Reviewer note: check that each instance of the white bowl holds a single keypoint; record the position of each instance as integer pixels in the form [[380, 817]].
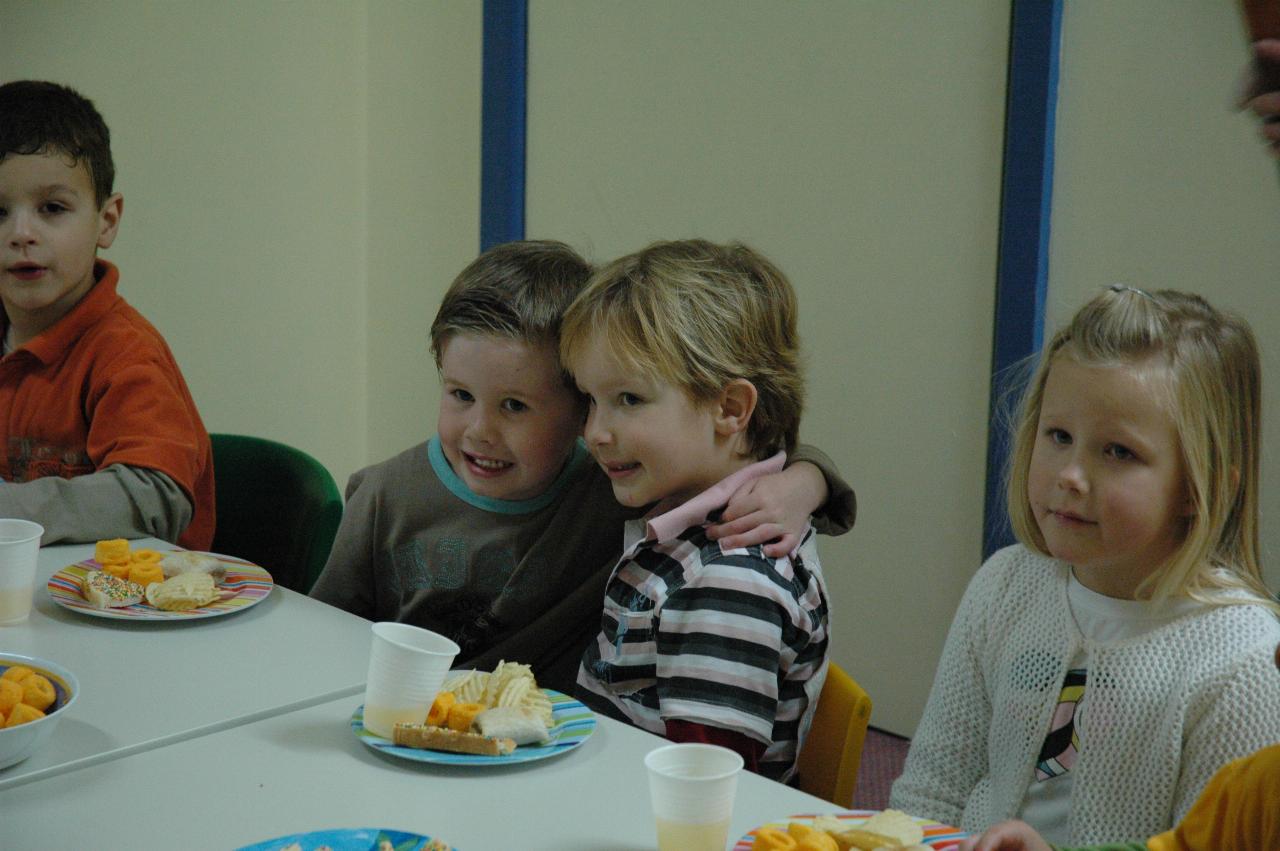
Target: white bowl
[[18, 743]]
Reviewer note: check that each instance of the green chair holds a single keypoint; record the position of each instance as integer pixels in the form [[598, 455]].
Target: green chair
[[277, 507]]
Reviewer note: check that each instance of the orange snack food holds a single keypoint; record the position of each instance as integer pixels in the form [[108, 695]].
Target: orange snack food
[[116, 549], [118, 569], [37, 692], [772, 839], [10, 695], [21, 714], [146, 555], [438, 716], [17, 673], [145, 572], [811, 839], [461, 715], [818, 841]]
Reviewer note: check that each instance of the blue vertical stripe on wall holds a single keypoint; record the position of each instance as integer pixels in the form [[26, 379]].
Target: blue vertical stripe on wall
[[1035, 37], [504, 72]]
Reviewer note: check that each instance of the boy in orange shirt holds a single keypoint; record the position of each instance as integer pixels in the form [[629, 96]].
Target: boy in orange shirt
[[99, 436]]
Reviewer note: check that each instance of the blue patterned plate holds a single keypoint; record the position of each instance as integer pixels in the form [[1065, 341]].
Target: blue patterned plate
[[352, 839], [573, 725]]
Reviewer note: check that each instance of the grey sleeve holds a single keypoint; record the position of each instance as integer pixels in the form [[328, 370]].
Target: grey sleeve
[[118, 501], [837, 515], [348, 580]]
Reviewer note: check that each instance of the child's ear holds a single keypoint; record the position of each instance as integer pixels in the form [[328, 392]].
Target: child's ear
[[109, 220], [735, 406]]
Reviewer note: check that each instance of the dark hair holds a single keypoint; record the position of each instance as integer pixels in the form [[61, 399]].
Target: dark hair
[[38, 117], [517, 290]]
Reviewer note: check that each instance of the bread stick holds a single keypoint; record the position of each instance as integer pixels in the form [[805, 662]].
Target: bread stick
[[863, 840], [443, 739]]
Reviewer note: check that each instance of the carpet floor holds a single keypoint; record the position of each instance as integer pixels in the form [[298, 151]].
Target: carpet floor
[[882, 757]]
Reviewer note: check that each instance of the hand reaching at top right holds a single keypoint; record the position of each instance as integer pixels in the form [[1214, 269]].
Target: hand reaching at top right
[[1007, 836], [1260, 90]]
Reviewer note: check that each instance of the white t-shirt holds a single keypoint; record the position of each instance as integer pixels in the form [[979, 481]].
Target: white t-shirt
[[1102, 620]]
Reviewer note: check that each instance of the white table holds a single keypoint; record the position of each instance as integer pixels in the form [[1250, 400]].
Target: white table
[[148, 684], [305, 770]]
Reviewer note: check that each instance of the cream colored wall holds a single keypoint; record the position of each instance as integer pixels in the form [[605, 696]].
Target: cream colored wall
[[422, 201], [237, 130], [859, 145], [301, 183], [1160, 183]]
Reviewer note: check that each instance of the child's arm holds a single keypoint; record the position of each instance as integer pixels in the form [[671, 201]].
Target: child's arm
[[348, 579], [119, 501], [948, 755], [776, 508], [1007, 836], [1238, 713], [718, 668], [746, 747], [1260, 93], [1020, 836]]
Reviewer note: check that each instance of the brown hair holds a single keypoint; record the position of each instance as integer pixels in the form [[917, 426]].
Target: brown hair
[[517, 290], [38, 117], [701, 315]]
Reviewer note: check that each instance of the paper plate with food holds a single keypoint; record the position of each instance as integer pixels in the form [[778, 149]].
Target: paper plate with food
[[481, 718], [861, 830], [351, 839], [151, 585]]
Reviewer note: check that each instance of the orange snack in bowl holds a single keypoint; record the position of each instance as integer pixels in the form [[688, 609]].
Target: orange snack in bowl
[[772, 839], [17, 673], [438, 716], [145, 572], [461, 715], [10, 695], [21, 714], [146, 555], [116, 549], [37, 692], [118, 569]]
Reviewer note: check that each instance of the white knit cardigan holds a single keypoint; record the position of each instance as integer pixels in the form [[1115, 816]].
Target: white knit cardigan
[[1166, 709]]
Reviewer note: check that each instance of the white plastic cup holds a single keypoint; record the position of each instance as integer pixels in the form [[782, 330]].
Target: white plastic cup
[[692, 787], [407, 666], [19, 545]]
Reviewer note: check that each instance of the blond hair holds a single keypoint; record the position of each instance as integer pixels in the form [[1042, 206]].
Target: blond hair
[[699, 316], [517, 291], [1214, 399]]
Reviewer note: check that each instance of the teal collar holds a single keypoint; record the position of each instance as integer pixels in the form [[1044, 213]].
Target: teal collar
[[459, 488]]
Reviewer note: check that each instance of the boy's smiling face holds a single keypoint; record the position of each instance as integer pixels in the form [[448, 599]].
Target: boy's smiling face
[[50, 230], [507, 421], [652, 440]]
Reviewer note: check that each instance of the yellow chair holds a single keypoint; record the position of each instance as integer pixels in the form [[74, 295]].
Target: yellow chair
[[828, 763]]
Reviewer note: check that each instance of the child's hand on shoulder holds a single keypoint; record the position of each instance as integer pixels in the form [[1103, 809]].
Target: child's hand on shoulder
[[772, 510], [1260, 90], [1007, 836]]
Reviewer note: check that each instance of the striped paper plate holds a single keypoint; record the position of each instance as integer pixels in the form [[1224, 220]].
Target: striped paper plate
[[250, 583], [573, 725], [936, 835], [351, 839]]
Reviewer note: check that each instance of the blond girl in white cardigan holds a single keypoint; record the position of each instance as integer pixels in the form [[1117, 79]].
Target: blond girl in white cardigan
[[1099, 672]]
